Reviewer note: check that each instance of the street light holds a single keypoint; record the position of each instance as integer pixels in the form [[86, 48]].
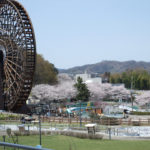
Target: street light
[[80, 115], [39, 110]]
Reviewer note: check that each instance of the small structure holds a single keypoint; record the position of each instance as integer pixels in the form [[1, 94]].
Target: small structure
[[29, 119], [91, 128], [21, 128]]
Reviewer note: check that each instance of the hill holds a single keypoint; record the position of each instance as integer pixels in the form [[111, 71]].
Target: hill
[[108, 66]]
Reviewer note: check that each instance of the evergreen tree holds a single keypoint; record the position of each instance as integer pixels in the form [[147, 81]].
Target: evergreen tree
[[83, 93]]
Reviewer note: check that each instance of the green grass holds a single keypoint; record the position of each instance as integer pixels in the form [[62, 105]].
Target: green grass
[[58, 142]]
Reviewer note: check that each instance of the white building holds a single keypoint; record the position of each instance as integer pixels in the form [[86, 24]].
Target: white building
[[87, 78]]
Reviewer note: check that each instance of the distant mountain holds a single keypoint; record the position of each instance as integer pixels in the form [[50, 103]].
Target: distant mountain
[[108, 66]]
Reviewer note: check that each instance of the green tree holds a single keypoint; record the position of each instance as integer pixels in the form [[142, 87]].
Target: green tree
[[45, 73], [140, 79], [112, 79], [83, 92]]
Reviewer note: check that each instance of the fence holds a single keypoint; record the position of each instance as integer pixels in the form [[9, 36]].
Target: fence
[[18, 146], [11, 141], [128, 122], [125, 131], [102, 121]]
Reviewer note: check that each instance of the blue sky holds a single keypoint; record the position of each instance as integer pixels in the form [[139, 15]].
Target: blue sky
[[76, 32]]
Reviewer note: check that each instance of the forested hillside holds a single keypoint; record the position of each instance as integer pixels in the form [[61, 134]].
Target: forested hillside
[[45, 73], [108, 66]]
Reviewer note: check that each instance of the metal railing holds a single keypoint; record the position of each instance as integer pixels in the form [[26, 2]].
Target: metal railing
[[24, 147]]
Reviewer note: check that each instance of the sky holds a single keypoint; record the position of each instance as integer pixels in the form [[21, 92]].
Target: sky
[[77, 32]]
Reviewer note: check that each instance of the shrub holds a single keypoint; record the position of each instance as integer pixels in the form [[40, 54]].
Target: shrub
[[139, 113], [78, 134], [8, 116], [66, 133]]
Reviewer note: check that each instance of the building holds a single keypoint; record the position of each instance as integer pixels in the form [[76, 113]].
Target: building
[[88, 78]]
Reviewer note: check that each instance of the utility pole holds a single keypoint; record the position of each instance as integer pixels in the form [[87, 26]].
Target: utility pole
[[131, 92]]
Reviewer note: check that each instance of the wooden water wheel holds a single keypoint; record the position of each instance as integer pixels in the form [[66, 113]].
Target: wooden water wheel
[[17, 55]]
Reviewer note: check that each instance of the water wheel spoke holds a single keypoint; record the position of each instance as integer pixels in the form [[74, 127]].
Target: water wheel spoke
[[12, 76], [10, 61], [11, 82], [14, 70], [11, 52]]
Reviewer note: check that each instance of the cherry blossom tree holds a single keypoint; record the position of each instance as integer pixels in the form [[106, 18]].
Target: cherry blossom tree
[[119, 92], [63, 90], [142, 98], [102, 91], [96, 91]]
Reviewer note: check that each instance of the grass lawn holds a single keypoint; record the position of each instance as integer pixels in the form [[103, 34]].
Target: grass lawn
[[58, 142]]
